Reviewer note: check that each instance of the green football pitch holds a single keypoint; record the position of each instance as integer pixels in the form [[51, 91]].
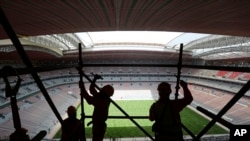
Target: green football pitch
[[118, 128]]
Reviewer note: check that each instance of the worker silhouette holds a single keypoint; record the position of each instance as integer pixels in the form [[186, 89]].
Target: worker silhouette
[[72, 128], [101, 101], [165, 113]]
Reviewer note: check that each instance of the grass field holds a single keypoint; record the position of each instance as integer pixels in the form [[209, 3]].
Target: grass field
[[125, 128]]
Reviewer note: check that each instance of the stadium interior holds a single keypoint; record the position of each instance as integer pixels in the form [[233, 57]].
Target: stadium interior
[[128, 44]]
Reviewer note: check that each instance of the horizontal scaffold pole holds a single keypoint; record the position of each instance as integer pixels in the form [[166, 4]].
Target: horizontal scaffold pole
[[226, 68], [22, 71], [123, 117]]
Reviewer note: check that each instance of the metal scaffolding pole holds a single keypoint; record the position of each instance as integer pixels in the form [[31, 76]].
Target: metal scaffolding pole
[[241, 92], [177, 87], [212, 116], [8, 29], [81, 80], [22, 71], [227, 68]]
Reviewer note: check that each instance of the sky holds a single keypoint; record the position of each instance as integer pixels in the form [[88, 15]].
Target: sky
[[128, 36]]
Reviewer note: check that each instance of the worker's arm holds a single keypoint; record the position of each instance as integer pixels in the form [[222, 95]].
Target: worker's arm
[[92, 88], [188, 98], [85, 94], [151, 113]]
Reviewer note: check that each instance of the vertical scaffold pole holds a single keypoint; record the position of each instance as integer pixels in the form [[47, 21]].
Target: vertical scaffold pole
[[178, 76], [177, 87], [80, 62]]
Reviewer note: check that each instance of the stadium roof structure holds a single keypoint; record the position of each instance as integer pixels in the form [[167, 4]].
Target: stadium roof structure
[[210, 30]]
